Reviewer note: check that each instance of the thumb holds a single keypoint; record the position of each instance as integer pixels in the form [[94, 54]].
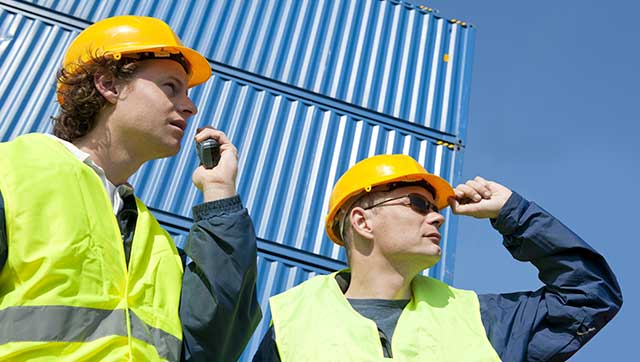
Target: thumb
[[461, 209]]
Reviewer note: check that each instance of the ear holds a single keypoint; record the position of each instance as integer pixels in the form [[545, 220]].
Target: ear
[[107, 87], [360, 223]]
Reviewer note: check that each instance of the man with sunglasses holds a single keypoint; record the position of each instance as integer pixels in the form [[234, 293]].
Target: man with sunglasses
[[385, 211]]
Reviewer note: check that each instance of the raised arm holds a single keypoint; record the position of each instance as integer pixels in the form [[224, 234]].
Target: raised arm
[[219, 308], [580, 293]]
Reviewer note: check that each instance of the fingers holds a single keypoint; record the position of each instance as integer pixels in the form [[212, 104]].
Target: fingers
[[465, 208], [453, 203], [479, 198], [229, 148], [473, 190], [207, 132]]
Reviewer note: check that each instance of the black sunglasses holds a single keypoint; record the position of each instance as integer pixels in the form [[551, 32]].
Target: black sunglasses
[[417, 202]]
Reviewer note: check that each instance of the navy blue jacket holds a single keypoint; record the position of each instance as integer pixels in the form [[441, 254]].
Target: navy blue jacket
[[580, 293], [219, 308]]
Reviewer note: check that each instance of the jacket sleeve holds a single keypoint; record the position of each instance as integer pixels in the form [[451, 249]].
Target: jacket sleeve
[[219, 307], [580, 293]]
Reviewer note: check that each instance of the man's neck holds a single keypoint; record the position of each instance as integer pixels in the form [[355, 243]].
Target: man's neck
[[379, 281], [117, 164]]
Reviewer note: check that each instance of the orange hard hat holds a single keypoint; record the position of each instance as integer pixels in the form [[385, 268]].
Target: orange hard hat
[[380, 170], [131, 34]]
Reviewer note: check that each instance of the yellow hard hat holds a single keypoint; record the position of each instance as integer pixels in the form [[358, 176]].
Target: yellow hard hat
[[381, 170], [130, 34]]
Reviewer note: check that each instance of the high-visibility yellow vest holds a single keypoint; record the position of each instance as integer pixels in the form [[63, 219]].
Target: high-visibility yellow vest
[[315, 322], [66, 293]]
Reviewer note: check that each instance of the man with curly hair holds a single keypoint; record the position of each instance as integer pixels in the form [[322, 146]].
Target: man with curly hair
[[86, 271]]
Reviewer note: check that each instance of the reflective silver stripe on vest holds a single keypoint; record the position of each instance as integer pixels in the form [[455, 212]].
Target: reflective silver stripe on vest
[[59, 323], [167, 345], [77, 324]]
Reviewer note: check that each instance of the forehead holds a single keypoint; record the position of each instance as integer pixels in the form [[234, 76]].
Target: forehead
[[153, 69]]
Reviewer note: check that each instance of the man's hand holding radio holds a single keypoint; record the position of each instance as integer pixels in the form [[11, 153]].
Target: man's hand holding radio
[[218, 182]]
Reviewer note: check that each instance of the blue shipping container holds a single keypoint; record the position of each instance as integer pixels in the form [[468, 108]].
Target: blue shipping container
[[303, 88]]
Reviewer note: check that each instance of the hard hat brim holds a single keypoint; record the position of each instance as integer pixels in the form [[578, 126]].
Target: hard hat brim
[[200, 69]]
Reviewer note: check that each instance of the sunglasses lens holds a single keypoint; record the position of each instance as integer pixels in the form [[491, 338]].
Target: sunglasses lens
[[420, 204]]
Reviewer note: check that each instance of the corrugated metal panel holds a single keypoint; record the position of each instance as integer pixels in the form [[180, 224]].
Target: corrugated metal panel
[[291, 154], [30, 53], [384, 55], [294, 143], [291, 151]]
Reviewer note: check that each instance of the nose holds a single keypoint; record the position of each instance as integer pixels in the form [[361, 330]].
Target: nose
[[435, 218], [186, 107]]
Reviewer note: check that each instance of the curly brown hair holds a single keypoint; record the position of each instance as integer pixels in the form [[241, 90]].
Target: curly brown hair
[[79, 99]]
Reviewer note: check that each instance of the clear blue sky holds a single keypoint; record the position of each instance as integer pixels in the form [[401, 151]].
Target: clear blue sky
[[554, 115]]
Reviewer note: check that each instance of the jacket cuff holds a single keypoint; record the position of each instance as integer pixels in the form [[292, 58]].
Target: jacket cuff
[[507, 221], [215, 208]]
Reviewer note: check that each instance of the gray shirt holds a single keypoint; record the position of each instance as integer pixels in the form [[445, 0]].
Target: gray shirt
[[385, 313]]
